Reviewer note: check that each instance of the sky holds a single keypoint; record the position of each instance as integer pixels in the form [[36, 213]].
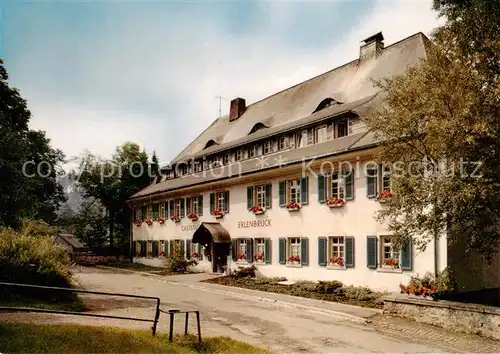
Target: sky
[[98, 73]]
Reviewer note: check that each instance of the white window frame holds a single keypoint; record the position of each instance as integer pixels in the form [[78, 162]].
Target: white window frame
[[197, 166], [386, 180], [260, 195], [283, 143], [220, 201], [238, 155], [337, 126], [301, 139], [295, 191], [387, 251], [336, 248], [321, 129], [337, 185], [242, 247], [268, 147], [225, 159], [177, 207], [294, 248], [260, 249], [252, 151]]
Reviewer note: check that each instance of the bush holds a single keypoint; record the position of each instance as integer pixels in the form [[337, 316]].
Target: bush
[[31, 257], [177, 264], [329, 287], [306, 285], [244, 272], [428, 285], [360, 293], [269, 281]]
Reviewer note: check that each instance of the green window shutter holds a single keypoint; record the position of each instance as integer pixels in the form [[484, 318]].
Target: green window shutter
[[304, 190], [371, 252], [183, 208], [321, 189], [322, 254], [349, 185], [171, 252], [269, 197], [200, 205], [304, 250], [282, 193], [371, 183], [249, 250], [155, 249], [212, 203], [165, 248], [406, 254], [226, 199], [234, 249], [188, 249], [144, 247], [188, 206], [267, 247], [182, 250], [282, 250], [199, 250], [250, 203], [171, 208], [349, 252]]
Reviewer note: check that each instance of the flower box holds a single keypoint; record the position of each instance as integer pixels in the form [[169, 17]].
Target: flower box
[[242, 257], [384, 197], [257, 210], [150, 254], [161, 254], [335, 262], [292, 206], [218, 214], [294, 260], [175, 218], [195, 255], [390, 264], [259, 258], [335, 202], [161, 220], [137, 222], [193, 216], [149, 222]]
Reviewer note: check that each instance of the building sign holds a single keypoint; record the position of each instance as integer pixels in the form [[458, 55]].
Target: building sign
[[191, 227], [254, 223]]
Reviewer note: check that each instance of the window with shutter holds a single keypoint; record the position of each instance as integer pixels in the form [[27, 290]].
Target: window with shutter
[[406, 254], [282, 250], [259, 251], [234, 249], [282, 193], [212, 203], [349, 252], [249, 250], [182, 249], [268, 250], [250, 197], [329, 131], [322, 251], [268, 196], [304, 251], [171, 208], [188, 249], [304, 190], [349, 184], [226, 202], [371, 181], [321, 189], [371, 252]]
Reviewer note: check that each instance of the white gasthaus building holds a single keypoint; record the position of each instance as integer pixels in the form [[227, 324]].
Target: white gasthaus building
[[288, 183]]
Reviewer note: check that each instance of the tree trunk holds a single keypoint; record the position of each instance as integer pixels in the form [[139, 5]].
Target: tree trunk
[[111, 228]]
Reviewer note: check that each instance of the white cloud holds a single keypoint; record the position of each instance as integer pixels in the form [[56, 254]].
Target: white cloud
[[178, 69]]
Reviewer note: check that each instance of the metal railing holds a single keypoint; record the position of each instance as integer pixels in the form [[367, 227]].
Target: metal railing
[[186, 324], [25, 309]]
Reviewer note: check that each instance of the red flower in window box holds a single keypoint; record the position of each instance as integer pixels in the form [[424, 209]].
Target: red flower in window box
[[242, 256], [337, 261], [195, 255], [293, 206], [193, 216], [161, 254], [259, 257], [175, 218], [137, 222], [150, 254], [218, 213], [293, 259], [385, 196], [335, 202], [149, 221], [391, 262], [257, 210], [161, 220]]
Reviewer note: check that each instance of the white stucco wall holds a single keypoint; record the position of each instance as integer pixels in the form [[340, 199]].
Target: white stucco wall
[[355, 219]]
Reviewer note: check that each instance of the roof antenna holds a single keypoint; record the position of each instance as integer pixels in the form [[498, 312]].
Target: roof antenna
[[220, 98]]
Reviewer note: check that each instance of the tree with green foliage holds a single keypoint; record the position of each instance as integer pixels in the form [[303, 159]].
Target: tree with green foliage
[[29, 166], [440, 126], [111, 182]]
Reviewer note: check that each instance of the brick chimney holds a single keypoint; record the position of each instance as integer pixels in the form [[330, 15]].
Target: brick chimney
[[237, 108], [371, 46]]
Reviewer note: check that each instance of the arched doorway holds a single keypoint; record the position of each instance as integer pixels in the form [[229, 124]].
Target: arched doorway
[[217, 242]]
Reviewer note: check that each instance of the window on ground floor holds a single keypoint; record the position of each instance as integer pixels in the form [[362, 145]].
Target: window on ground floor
[[382, 253], [294, 250]]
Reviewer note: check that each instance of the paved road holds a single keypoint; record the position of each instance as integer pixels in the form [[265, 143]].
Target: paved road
[[264, 324]]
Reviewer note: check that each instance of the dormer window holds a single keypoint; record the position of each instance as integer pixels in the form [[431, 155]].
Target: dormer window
[[342, 128], [256, 127], [283, 143], [327, 102], [239, 155], [268, 147], [225, 159], [210, 143]]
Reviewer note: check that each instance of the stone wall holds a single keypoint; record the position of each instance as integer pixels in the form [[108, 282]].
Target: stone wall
[[461, 317]]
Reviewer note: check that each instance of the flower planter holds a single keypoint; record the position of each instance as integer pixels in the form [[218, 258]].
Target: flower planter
[[193, 217], [293, 209], [149, 222], [161, 221], [219, 216], [384, 200], [257, 210], [175, 219], [335, 205], [387, 266], [260, 212]]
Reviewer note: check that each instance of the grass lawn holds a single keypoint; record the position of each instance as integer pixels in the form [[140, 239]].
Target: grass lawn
[[358, 296], [74, 339]]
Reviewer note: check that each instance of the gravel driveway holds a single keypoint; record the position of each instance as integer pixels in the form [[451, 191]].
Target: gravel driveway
[[279, 329]]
